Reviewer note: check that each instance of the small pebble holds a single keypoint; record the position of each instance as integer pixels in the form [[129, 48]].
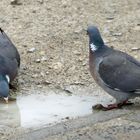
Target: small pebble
[[31, 50], [44, 58], [25, 46], [67, 118], [15, 2], [40, 1], [135, 49], [46, 82], [47, 73], [84, 64], [34, 76], [110, 18], [117, 34], [37, 60]]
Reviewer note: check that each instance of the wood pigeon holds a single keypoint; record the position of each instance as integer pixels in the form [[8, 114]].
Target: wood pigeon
[[116, 72], [9, 64]]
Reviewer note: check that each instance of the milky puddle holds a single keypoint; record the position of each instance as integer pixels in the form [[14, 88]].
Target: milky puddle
[[38, 110]]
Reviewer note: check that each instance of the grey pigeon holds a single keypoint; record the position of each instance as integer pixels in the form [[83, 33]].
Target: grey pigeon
[[116, 72], [9, 64]]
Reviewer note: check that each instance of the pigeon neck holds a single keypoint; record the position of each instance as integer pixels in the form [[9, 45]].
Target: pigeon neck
[[95, 44], [93, 47]]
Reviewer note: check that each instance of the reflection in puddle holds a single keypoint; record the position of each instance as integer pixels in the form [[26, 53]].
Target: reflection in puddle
[[9, 115], [37, 110]]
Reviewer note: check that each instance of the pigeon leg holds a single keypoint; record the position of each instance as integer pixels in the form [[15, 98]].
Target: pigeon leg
[[101, 107], [111, 106]]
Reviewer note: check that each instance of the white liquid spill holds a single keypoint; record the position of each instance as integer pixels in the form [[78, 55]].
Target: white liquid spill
[[38, 110]]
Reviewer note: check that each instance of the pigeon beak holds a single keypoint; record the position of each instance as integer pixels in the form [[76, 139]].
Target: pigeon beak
[[6, 100]]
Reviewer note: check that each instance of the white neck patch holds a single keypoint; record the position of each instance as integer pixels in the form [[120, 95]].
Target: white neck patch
[[93, 47], [8, 78]]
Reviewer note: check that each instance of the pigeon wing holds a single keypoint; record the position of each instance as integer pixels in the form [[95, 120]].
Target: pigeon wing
[[7, 48], [120, 72]]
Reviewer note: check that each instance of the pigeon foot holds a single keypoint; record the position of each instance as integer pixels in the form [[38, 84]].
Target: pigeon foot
[[111, 106]]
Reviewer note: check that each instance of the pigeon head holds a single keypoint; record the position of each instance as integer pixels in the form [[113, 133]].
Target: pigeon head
[[4, 87], [95, 38]]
